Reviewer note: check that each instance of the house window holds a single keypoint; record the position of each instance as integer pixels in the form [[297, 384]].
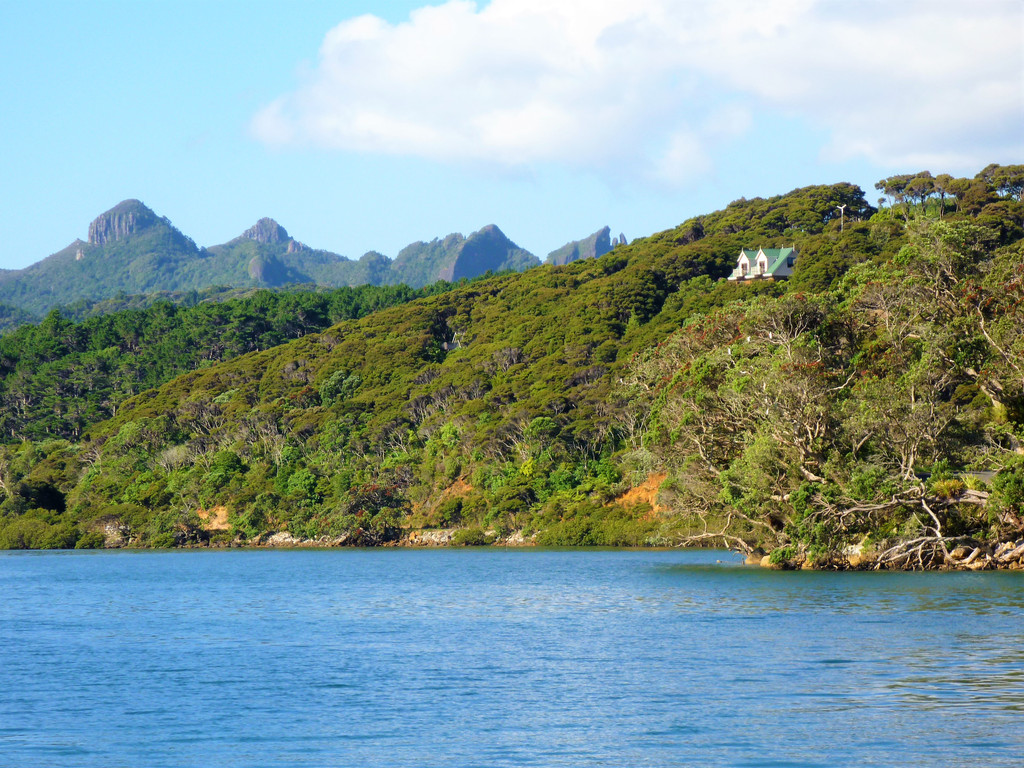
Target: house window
[[789, 262], [762, 267]]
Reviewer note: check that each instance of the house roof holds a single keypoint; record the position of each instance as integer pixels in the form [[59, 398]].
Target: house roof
[[776, 256]]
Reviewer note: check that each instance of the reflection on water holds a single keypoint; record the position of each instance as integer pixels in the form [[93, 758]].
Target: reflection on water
[[451, 658]]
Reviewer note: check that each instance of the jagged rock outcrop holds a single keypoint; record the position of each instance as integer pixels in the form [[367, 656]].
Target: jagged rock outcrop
[[598, 244], [123, 220], [455, 257], [267, 231], [487, 249]]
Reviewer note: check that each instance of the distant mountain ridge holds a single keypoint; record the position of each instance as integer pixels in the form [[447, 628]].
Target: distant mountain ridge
[[456, 257], [598, 244], [132, 250]]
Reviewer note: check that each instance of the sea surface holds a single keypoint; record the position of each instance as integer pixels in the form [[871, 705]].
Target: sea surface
[[501, 658]]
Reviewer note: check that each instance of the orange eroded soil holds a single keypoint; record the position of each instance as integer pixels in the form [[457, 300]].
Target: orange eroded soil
[[645, 493], [215, 519]]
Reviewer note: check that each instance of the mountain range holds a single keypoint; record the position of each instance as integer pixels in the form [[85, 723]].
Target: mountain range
[[132, 250]]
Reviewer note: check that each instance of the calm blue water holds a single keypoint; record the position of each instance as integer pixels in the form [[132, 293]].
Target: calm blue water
[[492, 658]]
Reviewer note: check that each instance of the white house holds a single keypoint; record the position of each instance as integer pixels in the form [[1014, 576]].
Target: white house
[[764, 264]]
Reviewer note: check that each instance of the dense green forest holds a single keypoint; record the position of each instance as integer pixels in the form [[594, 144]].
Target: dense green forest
[[872, 405], [12, 317], [58, 377]]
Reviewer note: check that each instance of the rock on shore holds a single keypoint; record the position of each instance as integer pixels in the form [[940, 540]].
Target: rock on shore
[[968, 556]]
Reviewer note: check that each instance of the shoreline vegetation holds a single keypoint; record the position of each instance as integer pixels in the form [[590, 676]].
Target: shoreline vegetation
[[866, 413], [970, 555]]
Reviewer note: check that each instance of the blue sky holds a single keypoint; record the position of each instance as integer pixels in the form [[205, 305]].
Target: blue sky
[[362, 125]]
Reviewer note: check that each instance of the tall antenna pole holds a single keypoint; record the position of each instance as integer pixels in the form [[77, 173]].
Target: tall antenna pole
[[842, 216]]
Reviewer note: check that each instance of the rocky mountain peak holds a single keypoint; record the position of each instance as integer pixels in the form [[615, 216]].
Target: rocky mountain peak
[[124, 219], [267, 231], [487, 249], [490, 235], [590, 247]]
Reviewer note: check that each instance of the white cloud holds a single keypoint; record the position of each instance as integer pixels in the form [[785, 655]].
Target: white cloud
[[655, 85]]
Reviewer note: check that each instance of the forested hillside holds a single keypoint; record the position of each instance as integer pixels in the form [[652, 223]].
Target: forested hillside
[[12, 317], [842, 411], [59, 377]]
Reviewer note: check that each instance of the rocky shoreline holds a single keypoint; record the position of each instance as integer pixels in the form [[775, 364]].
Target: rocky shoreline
[[970, 555], [431, 538], [913, 555]]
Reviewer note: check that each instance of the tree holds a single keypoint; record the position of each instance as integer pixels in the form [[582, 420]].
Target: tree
[[1004, 179], [920, 187], [895, 188], [942, 182]]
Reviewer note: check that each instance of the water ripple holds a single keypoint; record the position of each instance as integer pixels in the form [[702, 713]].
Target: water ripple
[[469, 658]]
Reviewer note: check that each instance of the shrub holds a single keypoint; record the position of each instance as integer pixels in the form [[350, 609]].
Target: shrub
[[782, 555], [91, 540], [471, 537], [948, 489], [164, 540], [577, 532], [450, 512], [23, 533], [1008, 487]]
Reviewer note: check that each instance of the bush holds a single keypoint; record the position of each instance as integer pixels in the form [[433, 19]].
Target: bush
[[471, 537], [450, 512], [340, 386], [1008, 487], [578, 532], [975, 483], [63, 536], [948, 489], [164, 540], [91, 540], [782, 555], [23, 533]]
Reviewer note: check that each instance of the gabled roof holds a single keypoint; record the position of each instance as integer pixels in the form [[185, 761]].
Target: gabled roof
[[776, 256]]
